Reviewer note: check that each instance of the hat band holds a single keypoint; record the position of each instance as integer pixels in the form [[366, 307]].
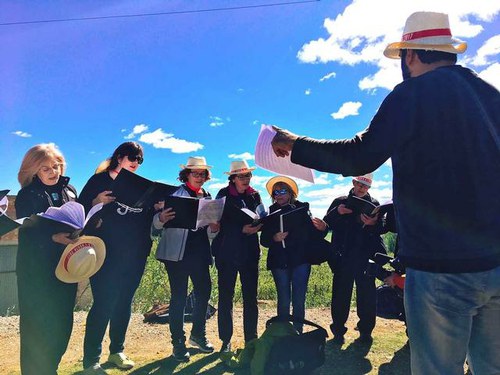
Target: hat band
[[73, 252], [239, 170], [425, 34]]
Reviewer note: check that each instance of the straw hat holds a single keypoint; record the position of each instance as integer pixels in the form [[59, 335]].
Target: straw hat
[[81, 260], [239, 166], [427, 31], [287, 180], [366, 179], [196, 162]]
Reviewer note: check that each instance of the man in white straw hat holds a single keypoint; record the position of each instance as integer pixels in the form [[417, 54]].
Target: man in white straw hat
[[356, 236], [441, 127]]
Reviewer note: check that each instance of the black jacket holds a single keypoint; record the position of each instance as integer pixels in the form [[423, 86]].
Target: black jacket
[[231, 245], [296, 243], [349, 237], [37, 252], [441, 131]]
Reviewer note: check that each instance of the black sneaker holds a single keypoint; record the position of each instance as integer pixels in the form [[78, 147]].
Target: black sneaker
[[365, 338], [180, 352], [201, 343], [226, 347], [338, 340]]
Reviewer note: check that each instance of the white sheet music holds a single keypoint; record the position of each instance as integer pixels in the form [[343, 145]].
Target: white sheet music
[[265, 157], [210, 211]]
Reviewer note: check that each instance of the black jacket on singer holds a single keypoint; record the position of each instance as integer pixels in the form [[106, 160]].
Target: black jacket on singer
[[231, 245]]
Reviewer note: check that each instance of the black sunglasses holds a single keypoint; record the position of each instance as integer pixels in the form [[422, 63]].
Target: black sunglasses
[[133, 158]]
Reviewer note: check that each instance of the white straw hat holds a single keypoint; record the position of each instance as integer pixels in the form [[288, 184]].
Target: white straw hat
[[81, 260], [239, 166], [427, 31], [366, 179], [196, 162]]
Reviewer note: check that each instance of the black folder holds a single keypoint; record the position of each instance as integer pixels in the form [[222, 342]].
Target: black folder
[[137, 191], [186, 211]]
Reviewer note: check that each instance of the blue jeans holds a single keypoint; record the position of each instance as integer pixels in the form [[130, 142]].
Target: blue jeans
[[291, 285], [451, 316]]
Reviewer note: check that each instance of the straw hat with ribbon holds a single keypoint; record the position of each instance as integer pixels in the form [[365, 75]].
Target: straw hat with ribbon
[[426, 31], [366, 179], [81, 260], [287, 180], [196, 162], [239, 167]]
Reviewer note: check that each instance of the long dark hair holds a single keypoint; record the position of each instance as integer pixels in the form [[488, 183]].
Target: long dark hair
[[125, 149]]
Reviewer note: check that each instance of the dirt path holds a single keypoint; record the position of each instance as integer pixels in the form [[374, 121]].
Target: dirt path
[[149, 345]]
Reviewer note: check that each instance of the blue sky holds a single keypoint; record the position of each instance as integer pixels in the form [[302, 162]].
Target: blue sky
[[203, 83]]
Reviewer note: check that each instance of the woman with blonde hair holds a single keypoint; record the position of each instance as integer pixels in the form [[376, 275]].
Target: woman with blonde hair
[[45, 303]]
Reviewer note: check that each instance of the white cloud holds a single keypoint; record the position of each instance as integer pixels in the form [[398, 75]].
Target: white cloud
[[388, 163], [492, 75], [347, 109], [216, 121], [256, 122], [138, 129], [21, 134], [307, 92], [243, 156], [215, 187], [328, 76], [357, 35], [160, 139], [490, 48]]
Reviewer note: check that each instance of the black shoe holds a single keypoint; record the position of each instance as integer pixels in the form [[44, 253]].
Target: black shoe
[[365, 338], [338, 340], [225, 348], [180, 352], [201, 343]]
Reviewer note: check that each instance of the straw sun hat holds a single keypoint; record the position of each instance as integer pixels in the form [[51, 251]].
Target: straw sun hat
[[196, 162], [239, 166], [81, 260], [366, 179], [426, 31], [287, 180]]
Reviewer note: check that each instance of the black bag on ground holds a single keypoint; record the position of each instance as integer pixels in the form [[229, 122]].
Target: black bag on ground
[[390, 303], [159, 313], [299, 354]]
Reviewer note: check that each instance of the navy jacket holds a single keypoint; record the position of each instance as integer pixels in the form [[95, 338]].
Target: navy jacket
[[231, 245], [442, 131]]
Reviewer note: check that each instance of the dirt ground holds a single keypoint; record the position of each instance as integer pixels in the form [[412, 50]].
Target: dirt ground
[[149, 345]]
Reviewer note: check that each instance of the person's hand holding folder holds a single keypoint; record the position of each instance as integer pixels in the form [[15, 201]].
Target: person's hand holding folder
[[251, 229], [166, 215]]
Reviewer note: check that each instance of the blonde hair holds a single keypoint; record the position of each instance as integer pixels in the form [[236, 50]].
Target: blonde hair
[[35, 157]]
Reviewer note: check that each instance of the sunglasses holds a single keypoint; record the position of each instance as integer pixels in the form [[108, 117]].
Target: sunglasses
[[244, 176], [133, 158], [198, 174], [280, 192]]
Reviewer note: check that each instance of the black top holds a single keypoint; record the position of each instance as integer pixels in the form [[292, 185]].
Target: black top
[[294, 254], [122, 229], [441, 131], [232, 245]]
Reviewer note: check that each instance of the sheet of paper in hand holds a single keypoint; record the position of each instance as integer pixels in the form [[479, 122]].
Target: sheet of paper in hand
[[266, 158], [70, 218]]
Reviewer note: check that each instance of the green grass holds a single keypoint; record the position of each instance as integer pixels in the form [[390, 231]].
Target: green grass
[[155, 288]]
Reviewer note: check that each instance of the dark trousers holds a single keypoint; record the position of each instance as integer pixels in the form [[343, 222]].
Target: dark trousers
[[113, 289], [178, 276], [46, 316], [249, 274], [346, 274]]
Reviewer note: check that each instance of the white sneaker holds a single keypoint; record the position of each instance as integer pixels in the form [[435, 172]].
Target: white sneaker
[[121, 361], [95, 369]]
